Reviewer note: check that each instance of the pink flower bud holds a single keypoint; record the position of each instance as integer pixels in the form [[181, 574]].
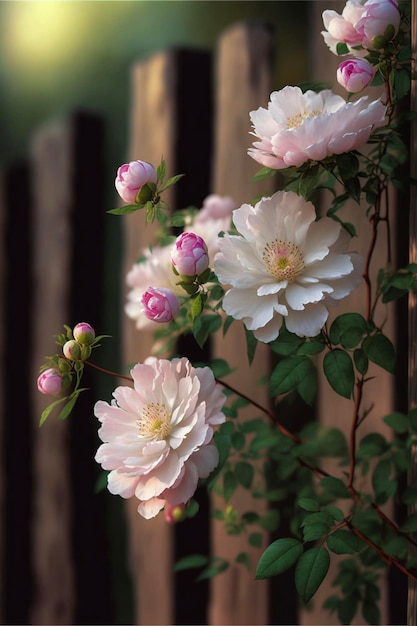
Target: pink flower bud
[[72, 350], [84, 333], [174, 513], [355, 74], [189, 255], [131, 177], [50, 382], [160, 304], [377, 16]]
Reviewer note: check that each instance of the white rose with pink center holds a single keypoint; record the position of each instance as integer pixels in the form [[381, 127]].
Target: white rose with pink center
[[285, 265]]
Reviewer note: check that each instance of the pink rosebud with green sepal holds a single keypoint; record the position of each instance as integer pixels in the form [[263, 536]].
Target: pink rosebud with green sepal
[[355, 74], [131, 177], [160, 304], [189, 255], [84, 333], [50, 382], [72, 350]]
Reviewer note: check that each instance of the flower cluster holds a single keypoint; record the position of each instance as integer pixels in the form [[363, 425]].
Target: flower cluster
[[76, 344], [158, 280]]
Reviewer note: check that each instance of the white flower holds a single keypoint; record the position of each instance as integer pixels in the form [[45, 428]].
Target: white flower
[[158, 436], [298, 127], [284, 265]]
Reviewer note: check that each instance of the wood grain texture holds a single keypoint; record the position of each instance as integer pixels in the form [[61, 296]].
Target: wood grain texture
[[53, 593], [243, 83]]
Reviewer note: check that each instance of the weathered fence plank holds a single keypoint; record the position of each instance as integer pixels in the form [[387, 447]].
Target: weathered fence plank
[[53, 597], [67, 189], [243, 75], [163, 124]]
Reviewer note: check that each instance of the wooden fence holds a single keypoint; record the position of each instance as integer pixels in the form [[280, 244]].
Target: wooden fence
[[61, 544]]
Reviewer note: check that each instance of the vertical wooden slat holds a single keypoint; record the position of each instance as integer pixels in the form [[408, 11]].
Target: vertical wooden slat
[[164, 124], [243, 75], [53, 593], [412, 304]]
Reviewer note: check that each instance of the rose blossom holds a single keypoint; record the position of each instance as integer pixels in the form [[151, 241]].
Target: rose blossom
[[189, 254], [359, 23], [298, 127], [376, 18], [131, 177], [284, 265], [50, 382], [355, 74], [158, 436], [160, 304]]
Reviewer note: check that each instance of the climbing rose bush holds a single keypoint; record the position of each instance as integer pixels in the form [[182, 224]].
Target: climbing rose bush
[[158, 436], [285, 265], [298, 127]]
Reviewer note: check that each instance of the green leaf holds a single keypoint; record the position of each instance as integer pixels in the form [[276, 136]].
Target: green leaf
[[371, 446], [255, 540], [279, 557], [66, 411], [287, 343], [288, 374], [310, 571], [244, 473], [171, 181], [398, 422], [244, 559], [308, 504], [341, 48], [344, 542], [335, 486], [379, 349], [46, 412], [382, 486], [161, 170], [410, 524], [220, 368], [218, 565], [307, 388], [269, 521], [312, 532], [371, 612], [190, 562], [319, 517], [264, 172], [126, 209], [197, 306], [204, 325], [251, 343], [338, 368], [346, 322], [361, 361], [229, 485]]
